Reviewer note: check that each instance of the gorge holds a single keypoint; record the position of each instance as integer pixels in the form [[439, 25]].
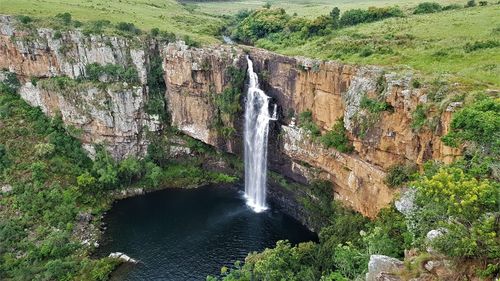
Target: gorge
[[361, 155]]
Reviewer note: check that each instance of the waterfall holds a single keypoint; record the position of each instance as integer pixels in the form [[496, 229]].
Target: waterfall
[[255, 137]]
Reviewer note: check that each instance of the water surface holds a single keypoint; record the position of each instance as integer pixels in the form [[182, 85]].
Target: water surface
[[188, 234]]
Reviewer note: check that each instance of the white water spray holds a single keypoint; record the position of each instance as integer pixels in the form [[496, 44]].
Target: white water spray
[[256, 132]]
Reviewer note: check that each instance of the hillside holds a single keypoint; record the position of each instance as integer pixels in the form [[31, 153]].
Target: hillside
[[308, 8], [167, 15]]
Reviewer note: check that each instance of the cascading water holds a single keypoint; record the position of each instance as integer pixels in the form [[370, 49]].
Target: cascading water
[[256, 131]]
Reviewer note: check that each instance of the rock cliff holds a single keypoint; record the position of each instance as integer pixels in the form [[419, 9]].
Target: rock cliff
[[330, 91], [114, 113]]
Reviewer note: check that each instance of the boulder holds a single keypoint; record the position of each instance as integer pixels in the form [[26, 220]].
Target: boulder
[[6, 188], [122, 257], [383, 268]]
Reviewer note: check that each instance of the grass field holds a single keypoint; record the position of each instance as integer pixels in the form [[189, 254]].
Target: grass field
[[167, 15], [308, 8], [431, 43]]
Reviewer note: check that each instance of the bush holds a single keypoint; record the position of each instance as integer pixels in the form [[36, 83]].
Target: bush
[[260, 24], [191, 42], [128, 27], [471, 47], [419, 117], [464, 207], [357, 16], [399, 174], [113, 72], [337, 138], [483, 3], [64, 18], [374, 106], [470, 3], [478, 122], [4, 159], [306, 122], [427, 7], [96, 27], [24, 19], [451, 7]]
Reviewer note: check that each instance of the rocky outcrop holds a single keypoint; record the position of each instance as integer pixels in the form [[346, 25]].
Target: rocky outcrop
[[111, 114], [383, 268]]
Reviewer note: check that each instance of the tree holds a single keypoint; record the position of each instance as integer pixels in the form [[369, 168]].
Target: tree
[[86, 180], [129, 169], [335, 15], [65, 18], [4, 159], [153, 174]]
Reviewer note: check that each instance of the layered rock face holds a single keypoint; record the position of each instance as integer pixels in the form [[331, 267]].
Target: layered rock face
[[111, 114], [115, 115], [331, 91]]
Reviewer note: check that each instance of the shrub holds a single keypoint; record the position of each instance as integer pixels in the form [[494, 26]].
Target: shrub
[[471, 47], [64, 18], [419, 117], [483, 3], [96, 27], [306, 122], [374, 106], [470, 3], [260, 24], [57, 35], [112, 72], [191, 42], [399, 174], [478, 122], [451, 7], [24, 19], [427, 7], [4, 159], [466, 208], [128, 27], [337, 138], [43, 150], [357, 16]]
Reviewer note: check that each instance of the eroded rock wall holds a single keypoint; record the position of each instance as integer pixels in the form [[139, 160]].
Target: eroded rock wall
[[331, 91], [111, 114]]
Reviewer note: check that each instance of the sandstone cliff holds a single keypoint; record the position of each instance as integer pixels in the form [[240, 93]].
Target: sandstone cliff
[[330, 90], [114, 113]]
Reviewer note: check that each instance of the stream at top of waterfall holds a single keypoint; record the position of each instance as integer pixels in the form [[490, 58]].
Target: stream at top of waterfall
[[187, 234]]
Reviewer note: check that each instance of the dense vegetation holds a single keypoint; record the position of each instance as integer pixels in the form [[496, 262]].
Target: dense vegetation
[[54, 182]]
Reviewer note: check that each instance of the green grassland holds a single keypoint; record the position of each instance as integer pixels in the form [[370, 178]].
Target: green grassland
[[433, 44], [308, 8], [167, 15]]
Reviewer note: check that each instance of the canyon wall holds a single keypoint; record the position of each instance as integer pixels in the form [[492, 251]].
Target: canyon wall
[[331, 91], [111, 114], [115, 114]]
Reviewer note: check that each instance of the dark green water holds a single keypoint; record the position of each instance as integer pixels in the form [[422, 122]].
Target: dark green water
[[188, 234]]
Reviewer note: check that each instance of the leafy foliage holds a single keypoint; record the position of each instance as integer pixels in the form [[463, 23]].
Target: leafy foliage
[[399, 174], [337, 138], [427, 7], [467, 210], [479, 123], [306, 122], [113, 72]]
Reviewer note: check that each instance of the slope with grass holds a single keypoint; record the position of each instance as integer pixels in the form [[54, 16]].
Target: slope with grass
[[166, 15], [462, 45], [307, 8]]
